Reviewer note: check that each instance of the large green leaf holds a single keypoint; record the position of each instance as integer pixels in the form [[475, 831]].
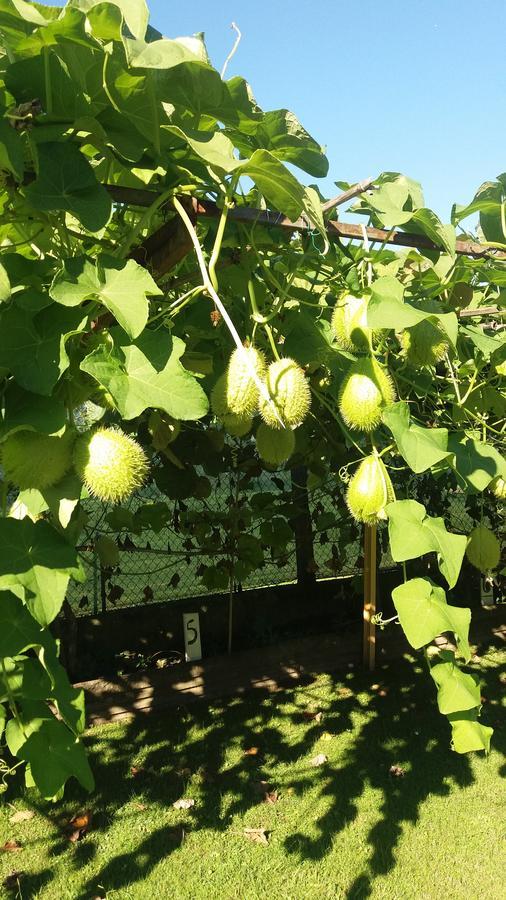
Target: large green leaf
[[122, 286], [488, 201], [33, 348], [279, 187], [424, 614], [420, 447], [147, 373], [24, 410], [134, 12], [47, 77], [11, 151], [280, 132], [162, 54], [308, 340], [18, 628], [468, 734], [66, 182], [52, 751], [36, 562], [215, 148], [413, 533], [475, 462], [456, 690], [387, 309], [426, 222]]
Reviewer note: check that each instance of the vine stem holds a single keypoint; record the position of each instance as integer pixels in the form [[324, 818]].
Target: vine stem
[[209, 287], [453, 379], [237, 41]]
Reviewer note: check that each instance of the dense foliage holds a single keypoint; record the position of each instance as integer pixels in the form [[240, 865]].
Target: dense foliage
[[121, 305]]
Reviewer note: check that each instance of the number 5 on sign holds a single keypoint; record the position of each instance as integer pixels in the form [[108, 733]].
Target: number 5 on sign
[[191, 628]]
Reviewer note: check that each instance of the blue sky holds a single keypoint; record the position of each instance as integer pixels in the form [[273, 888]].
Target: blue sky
[[400, 85]]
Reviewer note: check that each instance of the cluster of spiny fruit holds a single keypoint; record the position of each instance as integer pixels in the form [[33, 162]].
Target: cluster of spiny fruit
[[112, 464]]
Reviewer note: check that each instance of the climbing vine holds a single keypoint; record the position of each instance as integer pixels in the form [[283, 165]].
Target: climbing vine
[[155, 298]]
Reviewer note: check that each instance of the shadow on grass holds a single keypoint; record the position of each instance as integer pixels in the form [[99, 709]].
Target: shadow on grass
[[401, 725]]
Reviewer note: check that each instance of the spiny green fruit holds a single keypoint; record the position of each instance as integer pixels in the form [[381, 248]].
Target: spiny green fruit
[[425, 344], [238, 425], [274, 445], [366, 389], [498, 487], [483, 549], [111, 464], [369, 491], [349, 322], [242, 389], [289, 395], [36, 461]]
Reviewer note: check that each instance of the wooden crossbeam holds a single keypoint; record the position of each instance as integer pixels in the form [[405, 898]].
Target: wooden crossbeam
[[335, 230]]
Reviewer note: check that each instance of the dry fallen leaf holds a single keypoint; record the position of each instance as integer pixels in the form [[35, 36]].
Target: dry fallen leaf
[[271, 797], [79, 826], [396, 771], [257, 835], [23, 815], [318, 760], [312, 716], [252, 751], [184, 803], [12, 846], [141, 806], [135, 771]]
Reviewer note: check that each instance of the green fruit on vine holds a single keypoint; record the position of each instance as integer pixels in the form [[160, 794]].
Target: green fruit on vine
[[111, 464], [236, 424], [369, 491], [425, 344], [498, 487], [366, 389], [274, 445], [349, 323], [242, 388], [36, 461], [483, 549], [289, 395]]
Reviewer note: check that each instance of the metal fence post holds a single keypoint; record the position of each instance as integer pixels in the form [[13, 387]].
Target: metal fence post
[[303, 529]]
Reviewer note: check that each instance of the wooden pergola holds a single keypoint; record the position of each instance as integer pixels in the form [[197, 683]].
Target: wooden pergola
[[170, 244]]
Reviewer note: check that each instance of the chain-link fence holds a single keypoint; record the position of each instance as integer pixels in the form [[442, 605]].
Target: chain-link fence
[[163, 564]]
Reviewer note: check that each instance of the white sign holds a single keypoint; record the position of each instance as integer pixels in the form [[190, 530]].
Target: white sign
[[191, 628], [486, 591]]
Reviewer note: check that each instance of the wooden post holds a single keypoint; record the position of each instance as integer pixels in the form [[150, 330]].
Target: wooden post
[[369, 638]]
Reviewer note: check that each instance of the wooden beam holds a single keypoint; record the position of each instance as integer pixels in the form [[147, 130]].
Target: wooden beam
[[369, 633], [335, 230]]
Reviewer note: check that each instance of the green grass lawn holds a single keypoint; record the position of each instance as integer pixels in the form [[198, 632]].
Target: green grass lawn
[[346, 829]]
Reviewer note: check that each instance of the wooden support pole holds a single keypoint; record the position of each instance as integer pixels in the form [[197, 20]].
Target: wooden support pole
[[369, 638]]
